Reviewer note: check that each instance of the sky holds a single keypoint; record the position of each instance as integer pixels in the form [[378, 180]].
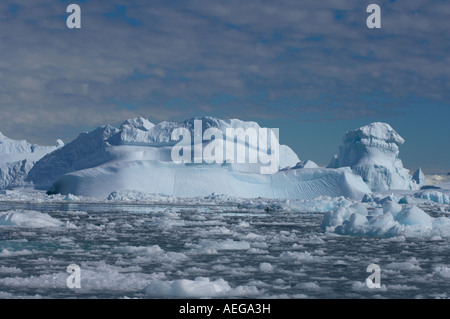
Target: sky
[[311, 68]]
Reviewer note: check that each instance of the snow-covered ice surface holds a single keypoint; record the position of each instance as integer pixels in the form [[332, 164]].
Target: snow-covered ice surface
[[137, 245], [193, 181]]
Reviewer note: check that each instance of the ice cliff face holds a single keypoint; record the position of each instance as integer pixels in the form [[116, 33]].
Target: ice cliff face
[[17, 158], [372, 152], [182, 180], [138, 156]]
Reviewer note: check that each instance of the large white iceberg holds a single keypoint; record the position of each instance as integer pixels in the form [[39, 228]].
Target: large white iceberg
[[17, 157], [139, 156], [372, 152]]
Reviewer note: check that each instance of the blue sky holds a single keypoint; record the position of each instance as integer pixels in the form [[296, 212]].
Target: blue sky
[[311, 68]]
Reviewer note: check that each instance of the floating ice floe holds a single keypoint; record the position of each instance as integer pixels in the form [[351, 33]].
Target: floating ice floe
[[28, 218], [211, 247], [392, 220], [199, 287]]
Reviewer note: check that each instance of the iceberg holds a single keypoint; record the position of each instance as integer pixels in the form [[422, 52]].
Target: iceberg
[[372, 152], [140, 140], [138, 156], [17, 158]]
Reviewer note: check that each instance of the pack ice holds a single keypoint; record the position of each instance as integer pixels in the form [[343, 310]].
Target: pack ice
[[17, 157], [372, 152], [137, 156]]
